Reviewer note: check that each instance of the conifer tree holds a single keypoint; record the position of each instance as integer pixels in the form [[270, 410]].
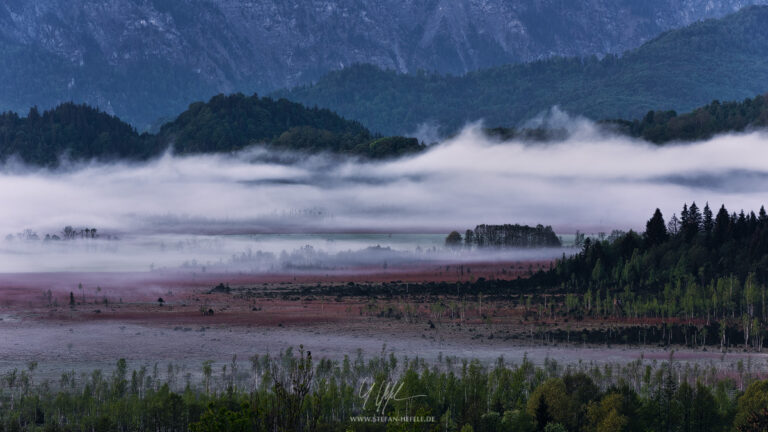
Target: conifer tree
[[655, 229]]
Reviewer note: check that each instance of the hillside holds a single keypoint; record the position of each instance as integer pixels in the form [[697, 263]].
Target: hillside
[[724, 59], [701, 123], [223, 124], [664, 126], [148, 59]]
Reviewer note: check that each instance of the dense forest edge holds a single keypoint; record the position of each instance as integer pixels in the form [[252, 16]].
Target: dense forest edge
[[226, 123], [703, 271]]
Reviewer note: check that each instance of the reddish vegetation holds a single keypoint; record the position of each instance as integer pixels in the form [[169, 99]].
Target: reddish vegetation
[[263, 312], [133, 298], [269, 301], [28, 288]]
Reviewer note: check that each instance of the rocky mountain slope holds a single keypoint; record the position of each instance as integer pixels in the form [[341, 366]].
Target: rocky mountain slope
[[145, 59], [681, 69]]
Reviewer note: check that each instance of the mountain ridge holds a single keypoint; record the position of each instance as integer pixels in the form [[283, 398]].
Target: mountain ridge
[[725, 59]]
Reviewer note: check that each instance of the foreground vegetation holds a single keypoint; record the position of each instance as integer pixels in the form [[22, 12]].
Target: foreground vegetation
[[293, 392]]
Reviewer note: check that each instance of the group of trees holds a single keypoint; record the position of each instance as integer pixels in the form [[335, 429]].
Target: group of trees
[[698, 247], [75, 132], [665, 126], [702, 123], [292, 392], [68, 233], [505, 236], [701, 266], [228, 123], [223, 124]]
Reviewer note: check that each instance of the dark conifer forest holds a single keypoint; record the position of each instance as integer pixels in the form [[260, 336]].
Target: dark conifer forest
[[506, 236], [229, 123], [223, 124], [701, 123]]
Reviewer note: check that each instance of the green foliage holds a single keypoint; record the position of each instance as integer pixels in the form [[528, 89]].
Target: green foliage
[[681, 69], [77, 132], [220, 418], [698, 267], [510, 236], [752, 406], [702, 123], [224, 124], [293, 393]]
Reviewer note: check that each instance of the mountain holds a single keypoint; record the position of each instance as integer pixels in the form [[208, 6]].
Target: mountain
[[724, 59], [223, 124], [148, 59]]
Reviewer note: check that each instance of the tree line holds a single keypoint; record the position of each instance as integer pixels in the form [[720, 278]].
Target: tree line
[[505, 236], [67, 233], [226, 123], [660, 127], [229, 123], [702, 123], [700, 267]]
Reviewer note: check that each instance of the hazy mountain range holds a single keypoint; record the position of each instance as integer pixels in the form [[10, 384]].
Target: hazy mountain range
[[147, 59], [725, 59]]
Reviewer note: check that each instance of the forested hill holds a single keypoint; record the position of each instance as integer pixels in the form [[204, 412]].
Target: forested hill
[[664, 126], [701, 123], [73, 131], [721, 59], [224, 124], [233, 122]]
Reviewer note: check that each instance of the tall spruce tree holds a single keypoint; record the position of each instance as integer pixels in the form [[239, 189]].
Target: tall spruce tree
[[722, 225], [655, 229], [708, 222]]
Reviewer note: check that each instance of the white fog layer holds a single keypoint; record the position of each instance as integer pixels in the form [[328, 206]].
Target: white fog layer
[[591, 181]]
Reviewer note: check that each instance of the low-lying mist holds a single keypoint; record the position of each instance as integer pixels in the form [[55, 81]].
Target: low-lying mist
[[592, 181]]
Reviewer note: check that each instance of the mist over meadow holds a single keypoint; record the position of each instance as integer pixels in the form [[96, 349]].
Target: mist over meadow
[[590, 181]]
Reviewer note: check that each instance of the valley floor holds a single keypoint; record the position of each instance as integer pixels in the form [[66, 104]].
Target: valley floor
[[119, 316]]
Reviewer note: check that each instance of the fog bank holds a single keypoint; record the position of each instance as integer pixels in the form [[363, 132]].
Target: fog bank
[[589, 181], [592, 181]]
